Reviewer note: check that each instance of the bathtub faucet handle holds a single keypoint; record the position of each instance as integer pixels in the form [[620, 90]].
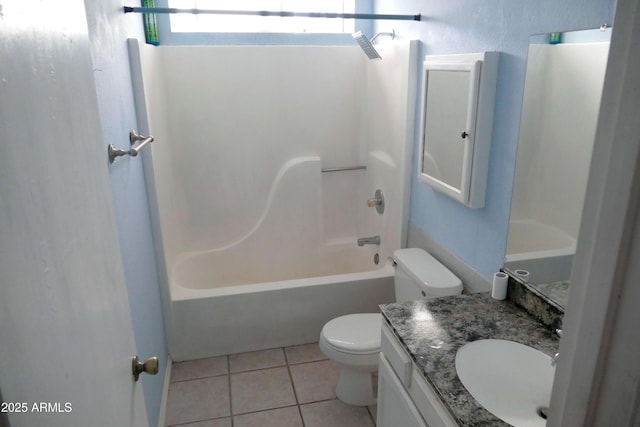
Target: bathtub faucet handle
[[377, 202]]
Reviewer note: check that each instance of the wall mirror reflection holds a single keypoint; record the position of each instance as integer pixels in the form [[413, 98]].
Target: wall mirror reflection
[[563, 86]]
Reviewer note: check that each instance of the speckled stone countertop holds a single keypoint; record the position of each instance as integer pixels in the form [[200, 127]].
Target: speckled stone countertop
[[555, 291], [433, 330]]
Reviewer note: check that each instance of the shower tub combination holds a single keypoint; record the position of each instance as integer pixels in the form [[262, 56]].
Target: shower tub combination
[[255, 236]]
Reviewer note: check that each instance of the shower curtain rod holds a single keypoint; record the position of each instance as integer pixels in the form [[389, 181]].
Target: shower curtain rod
[[128, 9]]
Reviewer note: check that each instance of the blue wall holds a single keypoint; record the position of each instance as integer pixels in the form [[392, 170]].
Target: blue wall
[[108, 28], [478, 236]]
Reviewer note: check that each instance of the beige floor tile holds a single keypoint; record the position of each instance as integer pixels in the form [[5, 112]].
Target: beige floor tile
[[219, 422], [253, 360], [198, 400], [304, 353], [282, 417], [315, 381], [333, 413], [199, 368], [262, 389]]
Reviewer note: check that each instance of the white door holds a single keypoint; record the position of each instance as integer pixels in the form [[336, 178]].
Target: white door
[[65, 328]]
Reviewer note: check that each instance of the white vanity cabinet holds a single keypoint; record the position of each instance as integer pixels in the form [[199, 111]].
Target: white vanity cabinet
[[404, 396]]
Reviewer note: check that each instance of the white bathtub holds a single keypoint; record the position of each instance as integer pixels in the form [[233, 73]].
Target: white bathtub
[[545, 251], [215, 315]]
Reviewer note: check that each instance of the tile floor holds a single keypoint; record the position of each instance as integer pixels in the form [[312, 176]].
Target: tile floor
[[284, 387]]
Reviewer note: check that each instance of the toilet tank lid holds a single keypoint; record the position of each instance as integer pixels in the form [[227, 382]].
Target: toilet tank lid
[[427, 270]]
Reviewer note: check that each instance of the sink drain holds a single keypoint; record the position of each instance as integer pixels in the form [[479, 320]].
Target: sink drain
[[542, 412]]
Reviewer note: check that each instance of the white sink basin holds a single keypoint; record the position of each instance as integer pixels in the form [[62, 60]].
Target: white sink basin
[[510, 380]]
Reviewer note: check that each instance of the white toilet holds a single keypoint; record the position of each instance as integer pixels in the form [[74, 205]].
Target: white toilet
[[353, 340]]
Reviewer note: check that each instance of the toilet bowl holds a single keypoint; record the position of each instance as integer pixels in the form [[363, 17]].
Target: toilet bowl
[[353, 340]]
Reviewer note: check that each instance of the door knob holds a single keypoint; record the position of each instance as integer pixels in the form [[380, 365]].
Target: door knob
[[150, 366]]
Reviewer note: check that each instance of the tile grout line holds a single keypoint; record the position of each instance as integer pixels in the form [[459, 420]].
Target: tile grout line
[[198, 421], [257, 411], [265, 368], [287, 363], [259, 369], [229, 383], [294, 387], [198, 378]]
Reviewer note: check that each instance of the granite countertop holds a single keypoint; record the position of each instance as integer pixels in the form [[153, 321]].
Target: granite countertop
[[557, 292], [433, 330]]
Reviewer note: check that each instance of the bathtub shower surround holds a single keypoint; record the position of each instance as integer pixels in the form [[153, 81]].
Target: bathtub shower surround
[[259, 245]]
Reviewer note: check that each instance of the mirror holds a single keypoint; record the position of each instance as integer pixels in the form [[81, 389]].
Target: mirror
[[445, 119], [456, 124], [563, 86]]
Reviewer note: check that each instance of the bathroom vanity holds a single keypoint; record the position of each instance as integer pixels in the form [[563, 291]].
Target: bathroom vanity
[[417, 383], [404, 396]]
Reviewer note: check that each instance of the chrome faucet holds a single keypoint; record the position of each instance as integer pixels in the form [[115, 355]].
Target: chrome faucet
[[373, 240]]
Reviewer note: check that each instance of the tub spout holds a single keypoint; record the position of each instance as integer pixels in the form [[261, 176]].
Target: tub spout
[[373, 240]]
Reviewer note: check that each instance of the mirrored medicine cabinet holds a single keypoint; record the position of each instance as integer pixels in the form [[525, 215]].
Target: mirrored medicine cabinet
[[458, 93]]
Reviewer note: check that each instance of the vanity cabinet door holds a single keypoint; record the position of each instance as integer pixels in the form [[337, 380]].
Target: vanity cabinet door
[[395, 407]]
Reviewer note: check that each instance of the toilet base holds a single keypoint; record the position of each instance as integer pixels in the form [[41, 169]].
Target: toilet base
[[355, 387]]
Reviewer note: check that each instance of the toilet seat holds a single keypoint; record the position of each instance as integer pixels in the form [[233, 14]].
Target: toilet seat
[[354, 333]]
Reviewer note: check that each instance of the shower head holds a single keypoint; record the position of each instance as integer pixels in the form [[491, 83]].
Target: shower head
[[367, 45]]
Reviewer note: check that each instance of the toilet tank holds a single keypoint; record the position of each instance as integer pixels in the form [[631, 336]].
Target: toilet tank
[[419, 275]]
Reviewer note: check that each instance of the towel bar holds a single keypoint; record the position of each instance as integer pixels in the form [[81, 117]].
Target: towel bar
[[344, 168]]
